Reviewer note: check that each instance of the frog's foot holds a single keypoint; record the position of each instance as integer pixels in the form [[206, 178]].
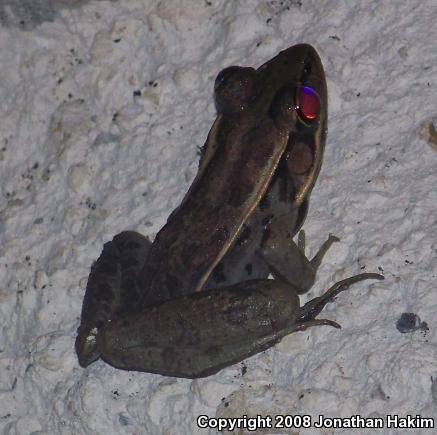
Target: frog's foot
[[111, 290], [312, 308]]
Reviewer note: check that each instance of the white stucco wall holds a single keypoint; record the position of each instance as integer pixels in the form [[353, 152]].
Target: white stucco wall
[[82, 158]]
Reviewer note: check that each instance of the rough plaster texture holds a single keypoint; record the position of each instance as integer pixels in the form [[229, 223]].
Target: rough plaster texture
[[83, 156]]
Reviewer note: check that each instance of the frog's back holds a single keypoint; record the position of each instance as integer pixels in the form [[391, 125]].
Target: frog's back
[[200, 232], [241, 156]]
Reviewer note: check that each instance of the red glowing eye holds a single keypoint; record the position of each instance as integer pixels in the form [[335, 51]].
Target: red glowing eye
[[309, 103]]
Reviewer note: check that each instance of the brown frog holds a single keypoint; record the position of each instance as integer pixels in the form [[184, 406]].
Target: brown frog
[[198, 298]]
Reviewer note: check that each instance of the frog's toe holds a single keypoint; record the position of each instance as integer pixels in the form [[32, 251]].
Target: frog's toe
[[301, 326], [333, 238], [86, 347], [312, 308]]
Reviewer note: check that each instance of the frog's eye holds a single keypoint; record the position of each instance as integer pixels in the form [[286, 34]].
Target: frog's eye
[[233, 89], [308, 103]]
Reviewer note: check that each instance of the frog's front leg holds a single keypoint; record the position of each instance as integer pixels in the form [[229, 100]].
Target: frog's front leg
[[288, 262]]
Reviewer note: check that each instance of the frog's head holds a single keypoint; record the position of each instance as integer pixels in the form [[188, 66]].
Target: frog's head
[[289, 89]]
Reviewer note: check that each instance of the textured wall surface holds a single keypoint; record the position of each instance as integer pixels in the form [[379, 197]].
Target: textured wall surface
[[102, 109]]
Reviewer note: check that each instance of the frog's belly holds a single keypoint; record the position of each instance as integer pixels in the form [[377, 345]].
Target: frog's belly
[[243, 262]]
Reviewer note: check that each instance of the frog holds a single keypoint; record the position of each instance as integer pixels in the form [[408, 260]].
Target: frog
[[222, 279]]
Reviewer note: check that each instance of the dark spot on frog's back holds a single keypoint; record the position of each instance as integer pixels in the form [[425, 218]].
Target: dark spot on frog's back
[[218, 274], [267, 219], [221, 234], [210, 245], [264, 203], [244, 235]]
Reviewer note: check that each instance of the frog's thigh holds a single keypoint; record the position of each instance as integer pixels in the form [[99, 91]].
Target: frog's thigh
[[111, 290], [198, 334]]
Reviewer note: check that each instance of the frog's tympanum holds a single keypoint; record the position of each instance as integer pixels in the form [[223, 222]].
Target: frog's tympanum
[[198, 298]]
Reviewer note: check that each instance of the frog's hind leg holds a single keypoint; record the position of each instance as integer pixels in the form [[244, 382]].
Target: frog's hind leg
[[111, 290], [311, 309]]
